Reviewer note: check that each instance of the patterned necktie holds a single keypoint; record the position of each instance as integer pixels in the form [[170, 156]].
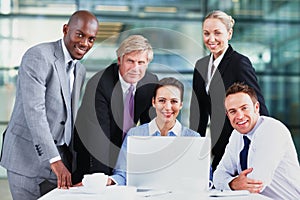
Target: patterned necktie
[[128, 118], [212, 70], [69, 121], [70, 73], [244, 153]]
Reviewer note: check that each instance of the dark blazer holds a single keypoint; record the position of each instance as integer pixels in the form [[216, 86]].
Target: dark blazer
[[234, 67], [100, 120]]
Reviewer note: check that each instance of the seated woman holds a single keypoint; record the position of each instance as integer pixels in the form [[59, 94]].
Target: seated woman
[[167, 101]]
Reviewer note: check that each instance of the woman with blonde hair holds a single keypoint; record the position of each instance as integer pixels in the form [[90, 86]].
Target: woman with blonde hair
[[213, 74]]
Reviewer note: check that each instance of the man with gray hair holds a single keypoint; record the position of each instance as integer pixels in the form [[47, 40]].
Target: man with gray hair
[[104, 116]]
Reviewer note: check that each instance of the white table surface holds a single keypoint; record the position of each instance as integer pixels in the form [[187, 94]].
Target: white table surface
[[80, 194]]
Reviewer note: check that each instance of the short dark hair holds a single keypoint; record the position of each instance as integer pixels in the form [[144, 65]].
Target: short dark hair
[[172, 82], [244, 88]]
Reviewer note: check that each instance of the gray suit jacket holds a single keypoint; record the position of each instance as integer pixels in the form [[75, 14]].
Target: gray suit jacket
[[40, 109]]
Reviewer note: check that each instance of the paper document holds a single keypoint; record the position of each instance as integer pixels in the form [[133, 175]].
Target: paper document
[[225, 193], [152, 192]]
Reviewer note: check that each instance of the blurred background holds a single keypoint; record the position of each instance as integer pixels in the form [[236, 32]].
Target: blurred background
[[267, 31]]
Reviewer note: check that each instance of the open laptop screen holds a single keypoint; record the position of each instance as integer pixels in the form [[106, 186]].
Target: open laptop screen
[[170, 163]]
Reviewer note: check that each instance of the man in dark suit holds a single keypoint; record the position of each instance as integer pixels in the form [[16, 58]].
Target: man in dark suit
[[213, 75], [36, 150], [99, 125]]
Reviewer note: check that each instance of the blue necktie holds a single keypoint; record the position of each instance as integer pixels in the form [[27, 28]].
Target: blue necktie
[[244, 153]]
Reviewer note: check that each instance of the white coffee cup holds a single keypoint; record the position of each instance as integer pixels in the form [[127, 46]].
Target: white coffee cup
[[95, 182]]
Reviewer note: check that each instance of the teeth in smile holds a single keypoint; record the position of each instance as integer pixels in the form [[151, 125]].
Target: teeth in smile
[[243, 122]]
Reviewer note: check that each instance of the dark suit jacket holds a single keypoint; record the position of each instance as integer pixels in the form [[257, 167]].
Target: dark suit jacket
[[233, 67], [100, 120]]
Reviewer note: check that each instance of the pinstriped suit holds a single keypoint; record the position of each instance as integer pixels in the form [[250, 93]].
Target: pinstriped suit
[[40, 110]]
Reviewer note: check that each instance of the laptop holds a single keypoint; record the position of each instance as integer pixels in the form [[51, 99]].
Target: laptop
[[168, 163]]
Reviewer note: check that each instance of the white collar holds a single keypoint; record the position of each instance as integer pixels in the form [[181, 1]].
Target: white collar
[[154, 128], [217, 61], [67, 55], [125, 86], [250, 134]]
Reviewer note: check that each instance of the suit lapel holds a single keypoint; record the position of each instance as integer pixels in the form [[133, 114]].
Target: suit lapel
[[223, 64], [79, 77], [221, 68], [204, 70], [61, 71], [142, 96], [117, 104]]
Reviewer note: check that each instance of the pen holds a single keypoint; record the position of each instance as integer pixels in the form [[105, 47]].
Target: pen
[[158, 194]]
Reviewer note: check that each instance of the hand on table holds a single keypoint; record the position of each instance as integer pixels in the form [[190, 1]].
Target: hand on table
[[110, 182], [242, 182], [64, 180]]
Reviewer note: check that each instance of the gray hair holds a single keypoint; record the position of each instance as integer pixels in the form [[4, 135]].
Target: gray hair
[[227, 20], [135, 43]]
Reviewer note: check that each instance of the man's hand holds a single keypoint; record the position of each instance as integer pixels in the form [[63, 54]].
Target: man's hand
[[243, 183], [64, 180], [110, 182]]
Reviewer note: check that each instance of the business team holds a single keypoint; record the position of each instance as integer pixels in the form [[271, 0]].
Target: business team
[[40, 150]]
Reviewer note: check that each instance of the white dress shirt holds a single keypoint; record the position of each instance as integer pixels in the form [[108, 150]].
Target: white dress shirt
[[125, 86], [272, 155], [216, 63]]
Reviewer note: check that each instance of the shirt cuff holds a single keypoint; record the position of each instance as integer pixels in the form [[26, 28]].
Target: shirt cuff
[[227, 187], [57, 158], [119, 180]]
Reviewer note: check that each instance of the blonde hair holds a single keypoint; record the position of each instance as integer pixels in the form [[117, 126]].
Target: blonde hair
[[135, 43], [227, 20]]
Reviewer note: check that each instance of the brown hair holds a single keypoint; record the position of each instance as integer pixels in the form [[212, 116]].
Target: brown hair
[[172, 82], [241, 87]]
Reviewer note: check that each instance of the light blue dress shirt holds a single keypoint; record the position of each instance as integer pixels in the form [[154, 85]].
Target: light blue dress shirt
[[149, 129]]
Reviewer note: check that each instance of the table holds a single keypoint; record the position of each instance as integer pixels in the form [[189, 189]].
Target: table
[[79, 193]]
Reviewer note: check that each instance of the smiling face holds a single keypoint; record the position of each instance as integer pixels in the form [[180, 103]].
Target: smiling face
[[167, 104], [216, 36], [242, 112], [133, 66], [80, 34]]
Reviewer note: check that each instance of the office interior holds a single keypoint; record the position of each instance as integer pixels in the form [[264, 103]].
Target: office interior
[[267, 31]]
